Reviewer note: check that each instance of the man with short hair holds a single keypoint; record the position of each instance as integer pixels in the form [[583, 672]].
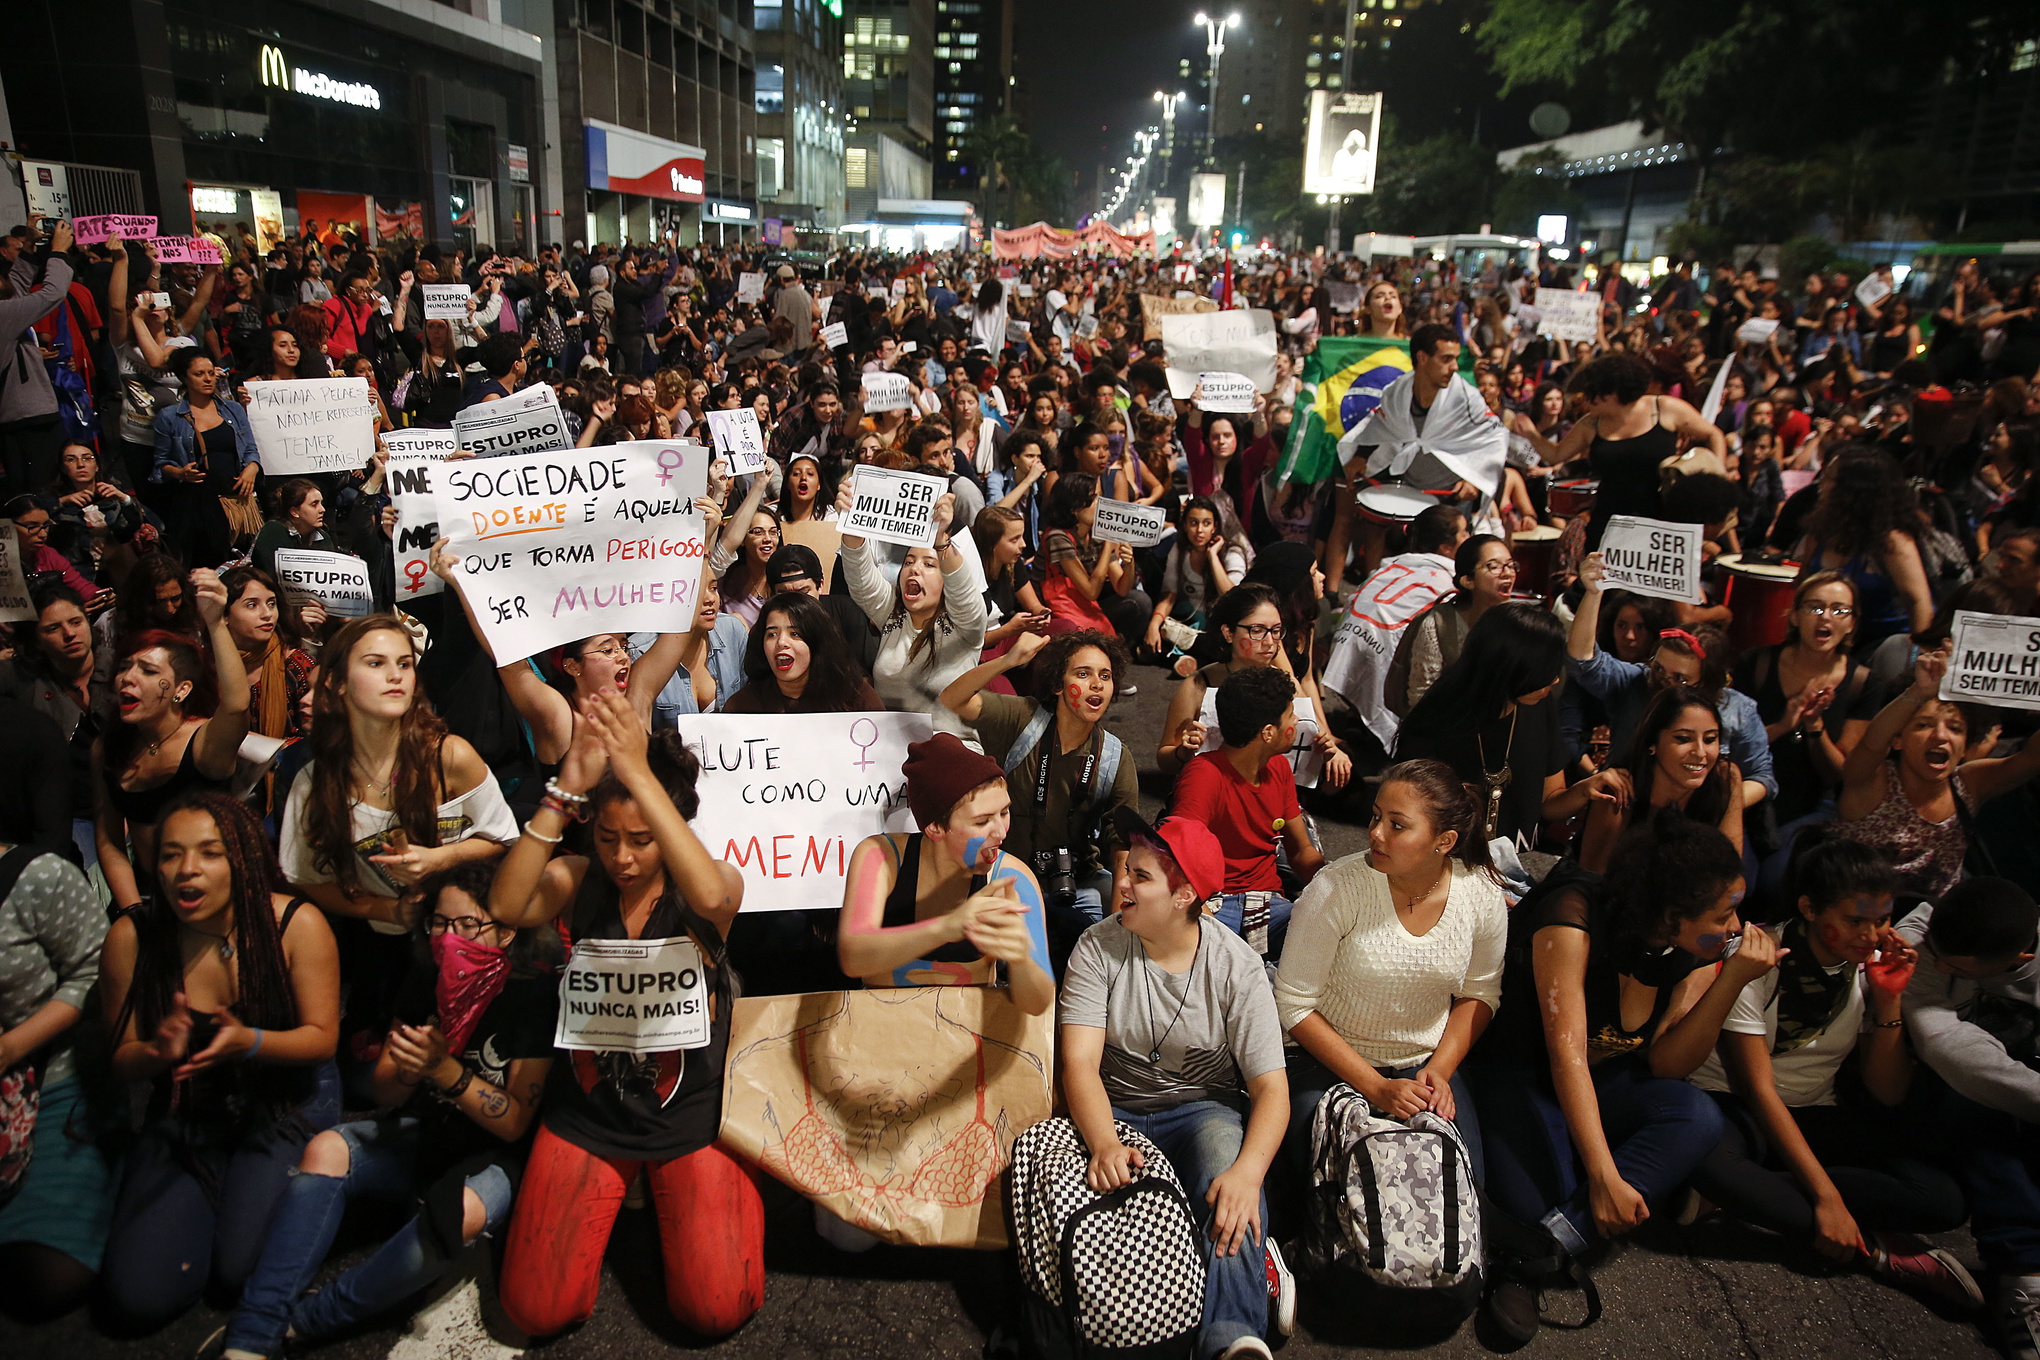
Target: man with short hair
[[932, 445], [2017, 564]]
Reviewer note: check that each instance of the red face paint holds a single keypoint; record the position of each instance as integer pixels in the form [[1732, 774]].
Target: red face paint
[[1833, 936], [1073, 694]]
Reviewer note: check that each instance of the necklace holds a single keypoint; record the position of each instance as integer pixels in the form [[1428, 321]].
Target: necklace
[[1147, 988], [373, 785], [1497, 780], [1411, 905], [220, 942]]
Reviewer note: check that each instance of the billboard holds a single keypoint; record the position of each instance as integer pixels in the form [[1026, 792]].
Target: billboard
[[1207, 200], [1340, 150]]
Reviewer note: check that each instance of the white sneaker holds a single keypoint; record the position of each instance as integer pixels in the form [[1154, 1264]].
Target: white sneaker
[[1281, 1292], [1247, 1346], [2019, 1317]]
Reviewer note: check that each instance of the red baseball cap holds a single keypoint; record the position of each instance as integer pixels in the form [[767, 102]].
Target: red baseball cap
[[1191, 844]]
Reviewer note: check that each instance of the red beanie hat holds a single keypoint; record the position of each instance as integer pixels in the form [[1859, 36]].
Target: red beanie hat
[[940, 771]]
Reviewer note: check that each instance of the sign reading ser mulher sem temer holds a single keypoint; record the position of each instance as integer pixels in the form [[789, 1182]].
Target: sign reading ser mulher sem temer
[[1995, 660]]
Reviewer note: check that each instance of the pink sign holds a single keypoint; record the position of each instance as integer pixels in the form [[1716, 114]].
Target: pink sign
[[186, 250], [92, 230]]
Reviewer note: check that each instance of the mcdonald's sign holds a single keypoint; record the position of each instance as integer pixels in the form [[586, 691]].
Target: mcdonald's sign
[[275, 70]]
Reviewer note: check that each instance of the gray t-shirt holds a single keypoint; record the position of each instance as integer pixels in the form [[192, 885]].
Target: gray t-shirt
[[1214, 1024]]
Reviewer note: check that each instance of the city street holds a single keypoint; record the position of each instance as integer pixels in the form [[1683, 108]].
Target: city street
[[1713, 1292]]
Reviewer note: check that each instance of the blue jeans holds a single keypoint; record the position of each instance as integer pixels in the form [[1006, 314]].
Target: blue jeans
[[1309, 1079], [1093, 892], [382, 1158], [1202, 1139], [1998, 1159], [1231, 913], [1659, 1130]]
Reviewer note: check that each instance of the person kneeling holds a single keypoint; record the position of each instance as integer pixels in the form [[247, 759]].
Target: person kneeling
[[1168, 1025]]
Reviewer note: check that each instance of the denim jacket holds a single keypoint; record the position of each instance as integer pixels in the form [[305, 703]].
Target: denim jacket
[[177, 436], [1624, 688]]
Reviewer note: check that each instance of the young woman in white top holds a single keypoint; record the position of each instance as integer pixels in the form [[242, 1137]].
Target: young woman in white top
[[1394, 965]]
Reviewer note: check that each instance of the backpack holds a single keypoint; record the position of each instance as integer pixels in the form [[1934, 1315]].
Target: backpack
[[74, 398], [1392, 1201], [1119, 1274]]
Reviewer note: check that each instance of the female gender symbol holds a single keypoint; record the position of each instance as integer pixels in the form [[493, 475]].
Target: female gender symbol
[[415, 570], [864, 732], [666, 469]]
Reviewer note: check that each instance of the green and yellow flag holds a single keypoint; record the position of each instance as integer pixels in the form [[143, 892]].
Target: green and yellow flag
[[1343, 380]]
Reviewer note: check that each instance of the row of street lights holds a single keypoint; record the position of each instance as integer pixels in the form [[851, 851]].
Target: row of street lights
[[1214, 48]]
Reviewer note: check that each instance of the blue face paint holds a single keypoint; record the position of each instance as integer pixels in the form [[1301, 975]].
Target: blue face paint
[[973, 848]]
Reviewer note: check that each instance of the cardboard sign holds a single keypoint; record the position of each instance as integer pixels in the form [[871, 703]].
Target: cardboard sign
[[887, 392], [523, 422], [786, 797], [1755, 331], [15, 606], [1240, 342], [1996, 660], [750, 287], [836, 335], [1873, 290], [415, 456], [1154, 307], [633, 996], [446, 301], [1225, 393], [1126, 522], [1653, 557], [1564, 314], [338, 581], [825, 538], [736, 434], [312, 425], [128, 226], [567, 543], [890, 506]]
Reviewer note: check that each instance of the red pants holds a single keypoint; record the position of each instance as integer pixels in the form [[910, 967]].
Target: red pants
[[711, 1235]]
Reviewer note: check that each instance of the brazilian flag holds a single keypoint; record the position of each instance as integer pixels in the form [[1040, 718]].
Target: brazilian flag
[[1343, 380]]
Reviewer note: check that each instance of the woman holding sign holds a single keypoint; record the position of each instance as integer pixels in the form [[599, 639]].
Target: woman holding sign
[[631, 1092]]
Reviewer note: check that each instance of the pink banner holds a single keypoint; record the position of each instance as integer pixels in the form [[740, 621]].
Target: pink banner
[[1039, 238], [92, 230], [186, 250]]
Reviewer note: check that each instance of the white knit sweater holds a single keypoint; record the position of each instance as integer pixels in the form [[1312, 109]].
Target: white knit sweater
[[1385, 991], [916, 685]]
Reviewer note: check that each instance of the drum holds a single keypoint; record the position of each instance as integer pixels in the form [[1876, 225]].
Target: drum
[[1533, 550], [1761, 596], [1575, 497], [1392, 503]]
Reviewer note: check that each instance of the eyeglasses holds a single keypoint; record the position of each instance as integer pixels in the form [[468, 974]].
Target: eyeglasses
[[1259, 632], [1501, 566], [1829, 611], [32, 526], [467, 927], [610, 650]]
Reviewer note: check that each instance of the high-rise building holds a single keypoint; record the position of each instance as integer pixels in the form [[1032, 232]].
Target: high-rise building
[[1260, 78], [800, 106], [973, 75], [889, 87]]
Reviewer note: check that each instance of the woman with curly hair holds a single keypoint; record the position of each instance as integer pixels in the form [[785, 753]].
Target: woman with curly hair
[[1865, 526]]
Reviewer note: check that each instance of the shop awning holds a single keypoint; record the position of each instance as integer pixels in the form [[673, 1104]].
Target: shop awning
[[624, 161]]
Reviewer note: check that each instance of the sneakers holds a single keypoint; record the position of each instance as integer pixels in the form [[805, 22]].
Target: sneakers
[[1126, 691], [1281, 1292], [1247, 1348], [2019, 1316], [1514, 1307], [1908, 1261]]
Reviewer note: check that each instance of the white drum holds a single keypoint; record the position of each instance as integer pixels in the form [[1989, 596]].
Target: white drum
[[1393, 503]]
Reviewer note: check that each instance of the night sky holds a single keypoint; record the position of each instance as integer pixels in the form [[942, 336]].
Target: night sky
[[1086, 65]]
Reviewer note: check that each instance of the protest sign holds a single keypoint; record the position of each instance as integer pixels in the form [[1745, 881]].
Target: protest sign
[[338, 581], [750, 287], [899, 288], [826, 540], [415, 456], [88, 231], [1755, 331], [1996, 660], [1653, 557], [1306, 758], [1345, 296], [736, 433], [1153, 307], [633, 996], [312, 425], [786, 797], [1873, 290], [1126, 522], [887, 392], [1087, 326], [1016, 332], [836, 335], [1225, 393], [523, 422], [185, 250], [1564, 314], [1240, 342], [15, 606], [446, 301], [1024, 289], [568, 543], [892, 506]]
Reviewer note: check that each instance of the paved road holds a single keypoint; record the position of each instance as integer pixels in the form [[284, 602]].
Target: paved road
[[1716, 1291]]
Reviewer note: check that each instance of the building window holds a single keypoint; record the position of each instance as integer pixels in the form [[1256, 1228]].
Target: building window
[[771, 92], [765, 15], [856, 168], [771, 160]]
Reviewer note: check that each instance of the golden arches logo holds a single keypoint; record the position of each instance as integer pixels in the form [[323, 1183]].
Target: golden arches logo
[[275, 70]]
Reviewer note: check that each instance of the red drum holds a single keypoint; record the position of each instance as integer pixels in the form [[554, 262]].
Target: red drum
[[1573, 498], [1392, 503], [1761, 596], [1533, 550]]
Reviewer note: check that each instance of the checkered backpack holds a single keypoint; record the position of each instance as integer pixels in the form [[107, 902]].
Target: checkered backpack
[[1394, 1201], [1119, 1274]]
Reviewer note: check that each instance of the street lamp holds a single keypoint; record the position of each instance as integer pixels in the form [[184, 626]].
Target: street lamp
[[1214, 48]]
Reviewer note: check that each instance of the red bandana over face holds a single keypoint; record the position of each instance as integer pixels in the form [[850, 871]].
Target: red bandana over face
[[471, 974]]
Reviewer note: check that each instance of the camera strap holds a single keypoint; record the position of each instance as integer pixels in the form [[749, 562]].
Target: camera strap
[[1047, 747]]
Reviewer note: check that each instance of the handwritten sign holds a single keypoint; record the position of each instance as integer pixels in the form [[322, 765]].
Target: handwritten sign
[[1225, 393], [129, 227], [1017, 332], [446, 301], [1653, 557], [750, 287], [1126, 522], [1996, 660], [312, 425], [1755, 331], [787, 797], [567, 543], [633, 996], [1153, 307], [892, 506], [338, 581], [736, 434], [186, 250], [1564, 314], [15, 606], [1240, 342], [899, 288], [523, 422], [415, 456], [887, 392], [836, 335]]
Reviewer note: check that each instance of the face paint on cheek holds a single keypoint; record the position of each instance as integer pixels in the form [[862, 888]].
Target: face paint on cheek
[[973, 848], [1833, 936], [1073, 694]]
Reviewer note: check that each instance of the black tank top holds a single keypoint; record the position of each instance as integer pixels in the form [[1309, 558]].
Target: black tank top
[[1628, 473], [142, 807]]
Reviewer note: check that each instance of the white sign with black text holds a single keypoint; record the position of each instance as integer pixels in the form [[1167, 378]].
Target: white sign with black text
[[523, 422], [892, 506], [1564, 314], [1240, 341], [446, 301], [415, 456], [1128, 522], [736, 434], [887, 392], [312, 425], [1653, 557], [1225, 393], [1996, 660], [633, 996], [338, 581]]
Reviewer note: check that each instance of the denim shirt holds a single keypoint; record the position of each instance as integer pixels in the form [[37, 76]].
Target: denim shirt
[[177, 436], [1624, 688], [726, 643]]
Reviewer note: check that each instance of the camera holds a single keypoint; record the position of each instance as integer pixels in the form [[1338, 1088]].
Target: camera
[[1057, 870]]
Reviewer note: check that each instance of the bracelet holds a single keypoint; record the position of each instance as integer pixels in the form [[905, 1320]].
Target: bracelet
[[566, 814], [451, 1094], [541, 836], [1890, 1024], [552, 787], [249, 1056]]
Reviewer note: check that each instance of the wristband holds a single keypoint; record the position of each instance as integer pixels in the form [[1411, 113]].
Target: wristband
[[552, 786], [452, 1094], [255, 1048], [1890, 1024]]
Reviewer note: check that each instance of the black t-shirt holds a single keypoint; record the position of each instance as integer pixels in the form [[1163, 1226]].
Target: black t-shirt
[[1801, 785], [1535, 752], [517, 1024]]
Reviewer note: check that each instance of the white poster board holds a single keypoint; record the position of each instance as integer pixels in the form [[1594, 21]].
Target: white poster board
[[446, 301], [523, 422], [633, 996], [1873, 290], [567, 543], [15, 606], [887, 392], [737, 435], [836, 335], [787, 797], [312, 425], [892, 506], [1225, 394], [1755, 331], [1128, 522], [415, 456], [1653, 557], [338, 581], [750, 287], [1241, 341], [1017, 332], [1996, 660], [1565, 314]]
